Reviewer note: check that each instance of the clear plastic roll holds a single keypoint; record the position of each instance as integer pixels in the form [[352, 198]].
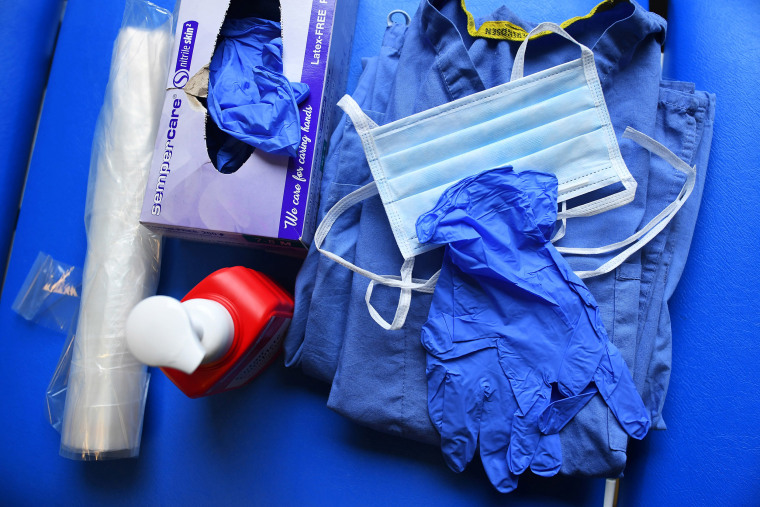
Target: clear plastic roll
[[107, 386]]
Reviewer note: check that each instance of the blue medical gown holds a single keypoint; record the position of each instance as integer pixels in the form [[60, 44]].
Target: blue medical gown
[[249, 98], [378, 376], [315, 336]]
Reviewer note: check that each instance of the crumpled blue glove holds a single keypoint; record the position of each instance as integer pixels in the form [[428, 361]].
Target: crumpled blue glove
[[470, 400], [248, 96], [469, 397], [510, 286]]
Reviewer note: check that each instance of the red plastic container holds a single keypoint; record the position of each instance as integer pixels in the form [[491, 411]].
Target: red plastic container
[[261, 311]]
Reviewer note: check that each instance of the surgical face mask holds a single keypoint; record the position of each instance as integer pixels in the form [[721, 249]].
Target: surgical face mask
[[553, 121]]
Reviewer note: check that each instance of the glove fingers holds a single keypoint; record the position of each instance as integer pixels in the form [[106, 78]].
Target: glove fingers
[[436, 335], [494, 440], [548, 457], [525, 437], [436, 377], [560, 412], [300, 91], [460, 422], [581, 357], [615, 384]]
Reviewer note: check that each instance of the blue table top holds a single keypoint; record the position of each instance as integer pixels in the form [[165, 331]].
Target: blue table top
[[274, 442]]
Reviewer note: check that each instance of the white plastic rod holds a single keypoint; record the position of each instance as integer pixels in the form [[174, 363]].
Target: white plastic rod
[[611, 492]]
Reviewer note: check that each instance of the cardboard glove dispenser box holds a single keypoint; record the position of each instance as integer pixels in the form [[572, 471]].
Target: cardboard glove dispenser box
[[271, 200]]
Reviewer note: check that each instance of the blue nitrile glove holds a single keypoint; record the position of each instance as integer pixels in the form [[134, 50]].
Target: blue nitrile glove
[[469, 397], [248, 96], [470, 401], [510, 285]]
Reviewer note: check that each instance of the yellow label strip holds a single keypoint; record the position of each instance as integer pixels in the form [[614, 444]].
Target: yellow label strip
[[506, 30]]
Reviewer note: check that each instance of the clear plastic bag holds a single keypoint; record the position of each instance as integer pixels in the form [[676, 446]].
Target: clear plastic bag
[[106, 386], [50, 294]]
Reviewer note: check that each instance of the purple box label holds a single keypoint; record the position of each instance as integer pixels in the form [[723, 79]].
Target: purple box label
[[185, 53], [295, 195]]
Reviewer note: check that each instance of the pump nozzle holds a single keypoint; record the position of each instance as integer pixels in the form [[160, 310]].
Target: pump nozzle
[[161, 331]]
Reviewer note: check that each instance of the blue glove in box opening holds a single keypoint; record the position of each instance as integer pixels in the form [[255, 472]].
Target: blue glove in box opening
[[257, 198]]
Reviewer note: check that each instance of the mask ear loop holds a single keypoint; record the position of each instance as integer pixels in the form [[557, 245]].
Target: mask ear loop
[[405, 282], [402, 309], [638, 240], [563, 228], [518, 68], [404, 300]]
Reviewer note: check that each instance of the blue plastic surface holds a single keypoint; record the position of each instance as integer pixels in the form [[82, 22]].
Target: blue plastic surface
[[274, 442], [27, 40]]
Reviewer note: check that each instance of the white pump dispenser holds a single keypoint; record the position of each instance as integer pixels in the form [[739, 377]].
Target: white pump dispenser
[[161, 331]]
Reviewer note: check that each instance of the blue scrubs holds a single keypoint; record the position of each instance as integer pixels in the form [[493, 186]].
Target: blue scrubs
[[684, 124], [315, 336], [378, 376]]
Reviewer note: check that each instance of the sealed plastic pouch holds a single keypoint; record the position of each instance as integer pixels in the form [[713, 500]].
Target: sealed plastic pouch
[[49, 295]]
